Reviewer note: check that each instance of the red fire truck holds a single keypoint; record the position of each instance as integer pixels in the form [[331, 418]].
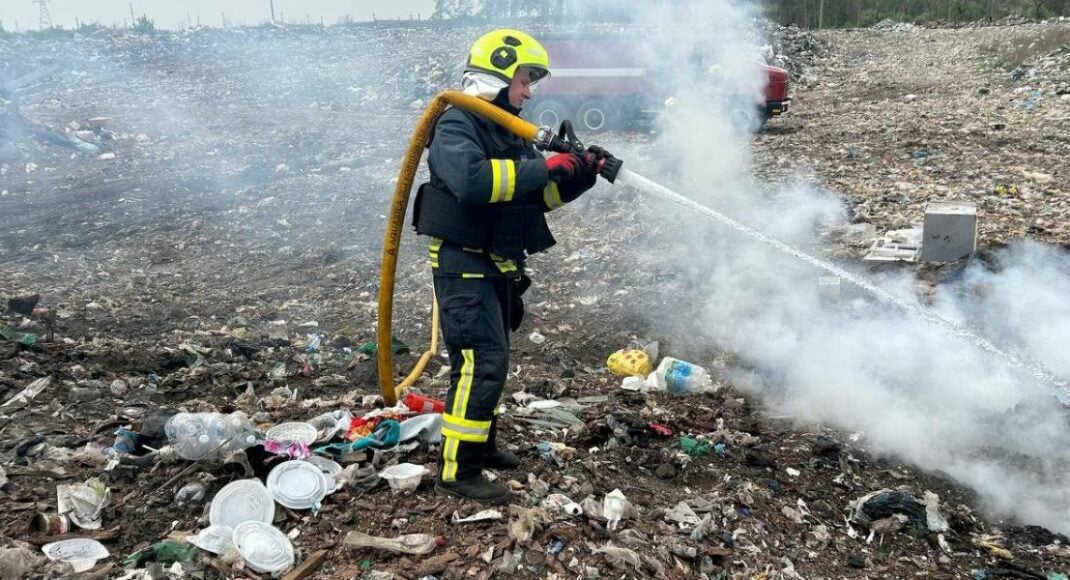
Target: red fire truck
[[609, 83]]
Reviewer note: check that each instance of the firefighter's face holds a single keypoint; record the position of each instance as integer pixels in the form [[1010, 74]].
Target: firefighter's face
[[520, 87]]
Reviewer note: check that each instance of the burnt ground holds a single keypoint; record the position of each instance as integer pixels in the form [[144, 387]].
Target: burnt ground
[[232, 217]]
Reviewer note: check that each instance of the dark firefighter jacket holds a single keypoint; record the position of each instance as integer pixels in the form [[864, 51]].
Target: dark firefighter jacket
[[485, 203]]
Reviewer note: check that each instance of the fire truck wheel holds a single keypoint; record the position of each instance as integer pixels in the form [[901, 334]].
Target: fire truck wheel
[[549, 113], [747, 121], [595, 116]]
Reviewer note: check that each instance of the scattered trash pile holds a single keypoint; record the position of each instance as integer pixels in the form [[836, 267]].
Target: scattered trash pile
[[796, 50], [1046, 75], [649, 467]]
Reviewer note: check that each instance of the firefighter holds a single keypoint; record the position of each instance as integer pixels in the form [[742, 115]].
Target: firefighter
[[483, 210]]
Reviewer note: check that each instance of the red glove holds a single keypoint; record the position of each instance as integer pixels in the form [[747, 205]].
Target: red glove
[[564, 166], [592, 163]]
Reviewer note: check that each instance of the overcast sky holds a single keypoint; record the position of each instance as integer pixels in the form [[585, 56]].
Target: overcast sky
[[173, 13]]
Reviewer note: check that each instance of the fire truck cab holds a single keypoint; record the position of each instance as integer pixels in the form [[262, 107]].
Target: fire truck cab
[[606, 82]]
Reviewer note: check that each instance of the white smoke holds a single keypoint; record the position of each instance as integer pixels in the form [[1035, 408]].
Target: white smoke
[[854, 363]]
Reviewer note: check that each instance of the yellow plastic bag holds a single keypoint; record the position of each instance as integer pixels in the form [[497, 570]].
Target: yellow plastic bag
[[629, 362]]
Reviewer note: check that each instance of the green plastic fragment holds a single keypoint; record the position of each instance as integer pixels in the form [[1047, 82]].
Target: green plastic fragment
[[396, 347], [694, 447], [29, 340]]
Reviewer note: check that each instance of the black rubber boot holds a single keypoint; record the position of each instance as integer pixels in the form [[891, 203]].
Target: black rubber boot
[[498, 459], [475, 489], [494, 458]]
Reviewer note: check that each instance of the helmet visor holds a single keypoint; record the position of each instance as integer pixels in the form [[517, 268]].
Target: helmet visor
[[537, 75]]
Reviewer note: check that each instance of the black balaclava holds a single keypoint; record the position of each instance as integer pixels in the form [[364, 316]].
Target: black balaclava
[[502, 100]]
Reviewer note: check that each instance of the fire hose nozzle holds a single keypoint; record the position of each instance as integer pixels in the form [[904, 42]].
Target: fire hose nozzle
[[610, 168], [566, 141]]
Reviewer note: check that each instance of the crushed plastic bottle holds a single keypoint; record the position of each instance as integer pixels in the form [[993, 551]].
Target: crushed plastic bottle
[[681, 377], [408, 544], [196, 436]]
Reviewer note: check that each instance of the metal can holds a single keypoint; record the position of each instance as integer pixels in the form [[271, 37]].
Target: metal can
[[50, 524]]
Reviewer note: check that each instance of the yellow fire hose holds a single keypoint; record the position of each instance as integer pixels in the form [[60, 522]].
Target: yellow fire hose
[[396, 221]]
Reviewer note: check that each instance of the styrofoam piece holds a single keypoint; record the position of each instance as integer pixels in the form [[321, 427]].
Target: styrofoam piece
[[241, 501], [264, 548], [298, 484]]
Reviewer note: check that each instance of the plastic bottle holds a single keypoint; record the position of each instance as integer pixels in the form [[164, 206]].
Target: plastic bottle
[[681, 377], [416, 544], [188, 433], [235, 428]]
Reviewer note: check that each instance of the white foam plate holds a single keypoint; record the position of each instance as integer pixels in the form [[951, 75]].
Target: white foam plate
[[81, 553], [214, 539], [263, 547], [298, 485], [293, 432], [331, 469], [241, 501]]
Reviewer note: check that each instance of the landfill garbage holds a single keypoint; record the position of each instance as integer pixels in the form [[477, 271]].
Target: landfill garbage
[[164, 552], [263, 547], [482, 516], [524, 522], [29, 393], [885, 503], [359, 479], [293, 432], [695, 447], [557, 502], [23, 304], [298, 485], [190, 495], [404, 476], [214, 539], [679, 377], [372, 348], [994, 546], [329, 425], [50, 524], [82, 554], [330, 469], [18, 562], [241, 501], [935, 521], [418, 403], [620, 558], [683, 515], [428, 428], [416, 544], [616, 507], [83, 503], [197, 436], [629, 363], [633, 384]]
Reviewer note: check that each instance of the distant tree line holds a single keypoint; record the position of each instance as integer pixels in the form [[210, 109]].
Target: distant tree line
[[805, 13], [853, 13]]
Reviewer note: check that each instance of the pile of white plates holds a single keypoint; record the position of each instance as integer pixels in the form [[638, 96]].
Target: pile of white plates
[[242, 513]]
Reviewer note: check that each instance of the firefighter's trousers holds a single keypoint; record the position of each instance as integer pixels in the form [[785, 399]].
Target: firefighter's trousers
[[475, 315]]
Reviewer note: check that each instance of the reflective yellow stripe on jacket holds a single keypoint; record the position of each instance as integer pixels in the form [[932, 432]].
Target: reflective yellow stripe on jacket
[[503, 180]]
